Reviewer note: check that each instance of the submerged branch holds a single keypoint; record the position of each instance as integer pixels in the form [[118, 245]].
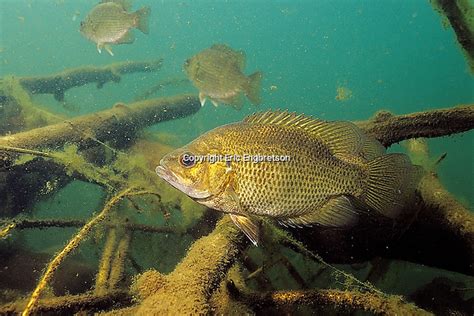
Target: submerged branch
[[71, 304], [188, 288], [57, 84], [71, 245], [48, 223], [118, 123], [460, 13], [390, 129], [347, 301]]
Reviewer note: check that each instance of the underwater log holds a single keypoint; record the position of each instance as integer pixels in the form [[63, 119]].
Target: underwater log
[[70, 304], [189, 287], [345, 301], [57, 84], [119, 122], [389, 129]]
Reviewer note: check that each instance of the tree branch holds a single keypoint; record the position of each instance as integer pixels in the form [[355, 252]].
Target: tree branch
[[390, 129], [118, 123], [70, 304], [188, 288], [58, 83], [347, 301]]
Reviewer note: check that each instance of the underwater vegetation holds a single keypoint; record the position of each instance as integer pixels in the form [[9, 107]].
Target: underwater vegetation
[[142, 247]]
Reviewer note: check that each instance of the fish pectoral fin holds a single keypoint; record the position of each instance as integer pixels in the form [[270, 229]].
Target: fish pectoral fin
[[248, 226], [99, 47], [338, 212], [202, 98]]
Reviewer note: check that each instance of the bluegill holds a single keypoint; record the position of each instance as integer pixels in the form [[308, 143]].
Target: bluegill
[[110, 23], [218, 74]]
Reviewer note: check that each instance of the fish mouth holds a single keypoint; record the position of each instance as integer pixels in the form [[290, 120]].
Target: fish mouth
[[175, 181]]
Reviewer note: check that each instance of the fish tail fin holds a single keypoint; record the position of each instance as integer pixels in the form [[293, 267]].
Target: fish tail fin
[[391, 183], [253, 89], [142, 16]]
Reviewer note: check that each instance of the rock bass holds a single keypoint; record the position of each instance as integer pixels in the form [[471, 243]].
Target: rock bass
[[332, 174]]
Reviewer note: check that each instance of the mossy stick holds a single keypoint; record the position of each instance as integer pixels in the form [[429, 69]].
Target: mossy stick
[[345, 301], [120, 123], [105, 262], [71, 245], [58, 84], [118, 263], [390, 129]]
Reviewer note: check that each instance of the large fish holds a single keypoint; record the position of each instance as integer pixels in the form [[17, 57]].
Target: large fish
[[293, 168], [110, 23], [218, 74]]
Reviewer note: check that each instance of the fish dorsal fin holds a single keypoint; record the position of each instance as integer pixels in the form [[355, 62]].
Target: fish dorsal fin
[[125, 4], [341, 137], [237, 54]]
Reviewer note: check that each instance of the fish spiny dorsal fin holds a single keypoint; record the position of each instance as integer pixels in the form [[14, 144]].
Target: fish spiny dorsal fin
[[342, 138]]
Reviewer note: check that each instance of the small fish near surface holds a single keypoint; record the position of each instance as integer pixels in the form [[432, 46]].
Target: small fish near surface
[[218, 74], [110, 22], [295, 169]]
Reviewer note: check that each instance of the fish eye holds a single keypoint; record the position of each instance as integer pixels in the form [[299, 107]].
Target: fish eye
[[187, 160], [82, 23]]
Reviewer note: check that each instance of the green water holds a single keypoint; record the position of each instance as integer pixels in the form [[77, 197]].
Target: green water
[[392, 55]]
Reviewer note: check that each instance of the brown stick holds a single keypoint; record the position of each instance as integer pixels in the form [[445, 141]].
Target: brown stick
[[188, 288], [46, 223], [457, 13], [71, 304], [119, 122], [390, 129], [57, 84], [347, 301]]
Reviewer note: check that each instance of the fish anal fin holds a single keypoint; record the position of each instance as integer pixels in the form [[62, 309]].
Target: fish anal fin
[[108, 49], [127, 38], [248, 226], [236, 101], [338, 212]]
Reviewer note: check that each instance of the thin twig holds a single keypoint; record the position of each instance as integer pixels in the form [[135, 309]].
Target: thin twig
[[72, 244]]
